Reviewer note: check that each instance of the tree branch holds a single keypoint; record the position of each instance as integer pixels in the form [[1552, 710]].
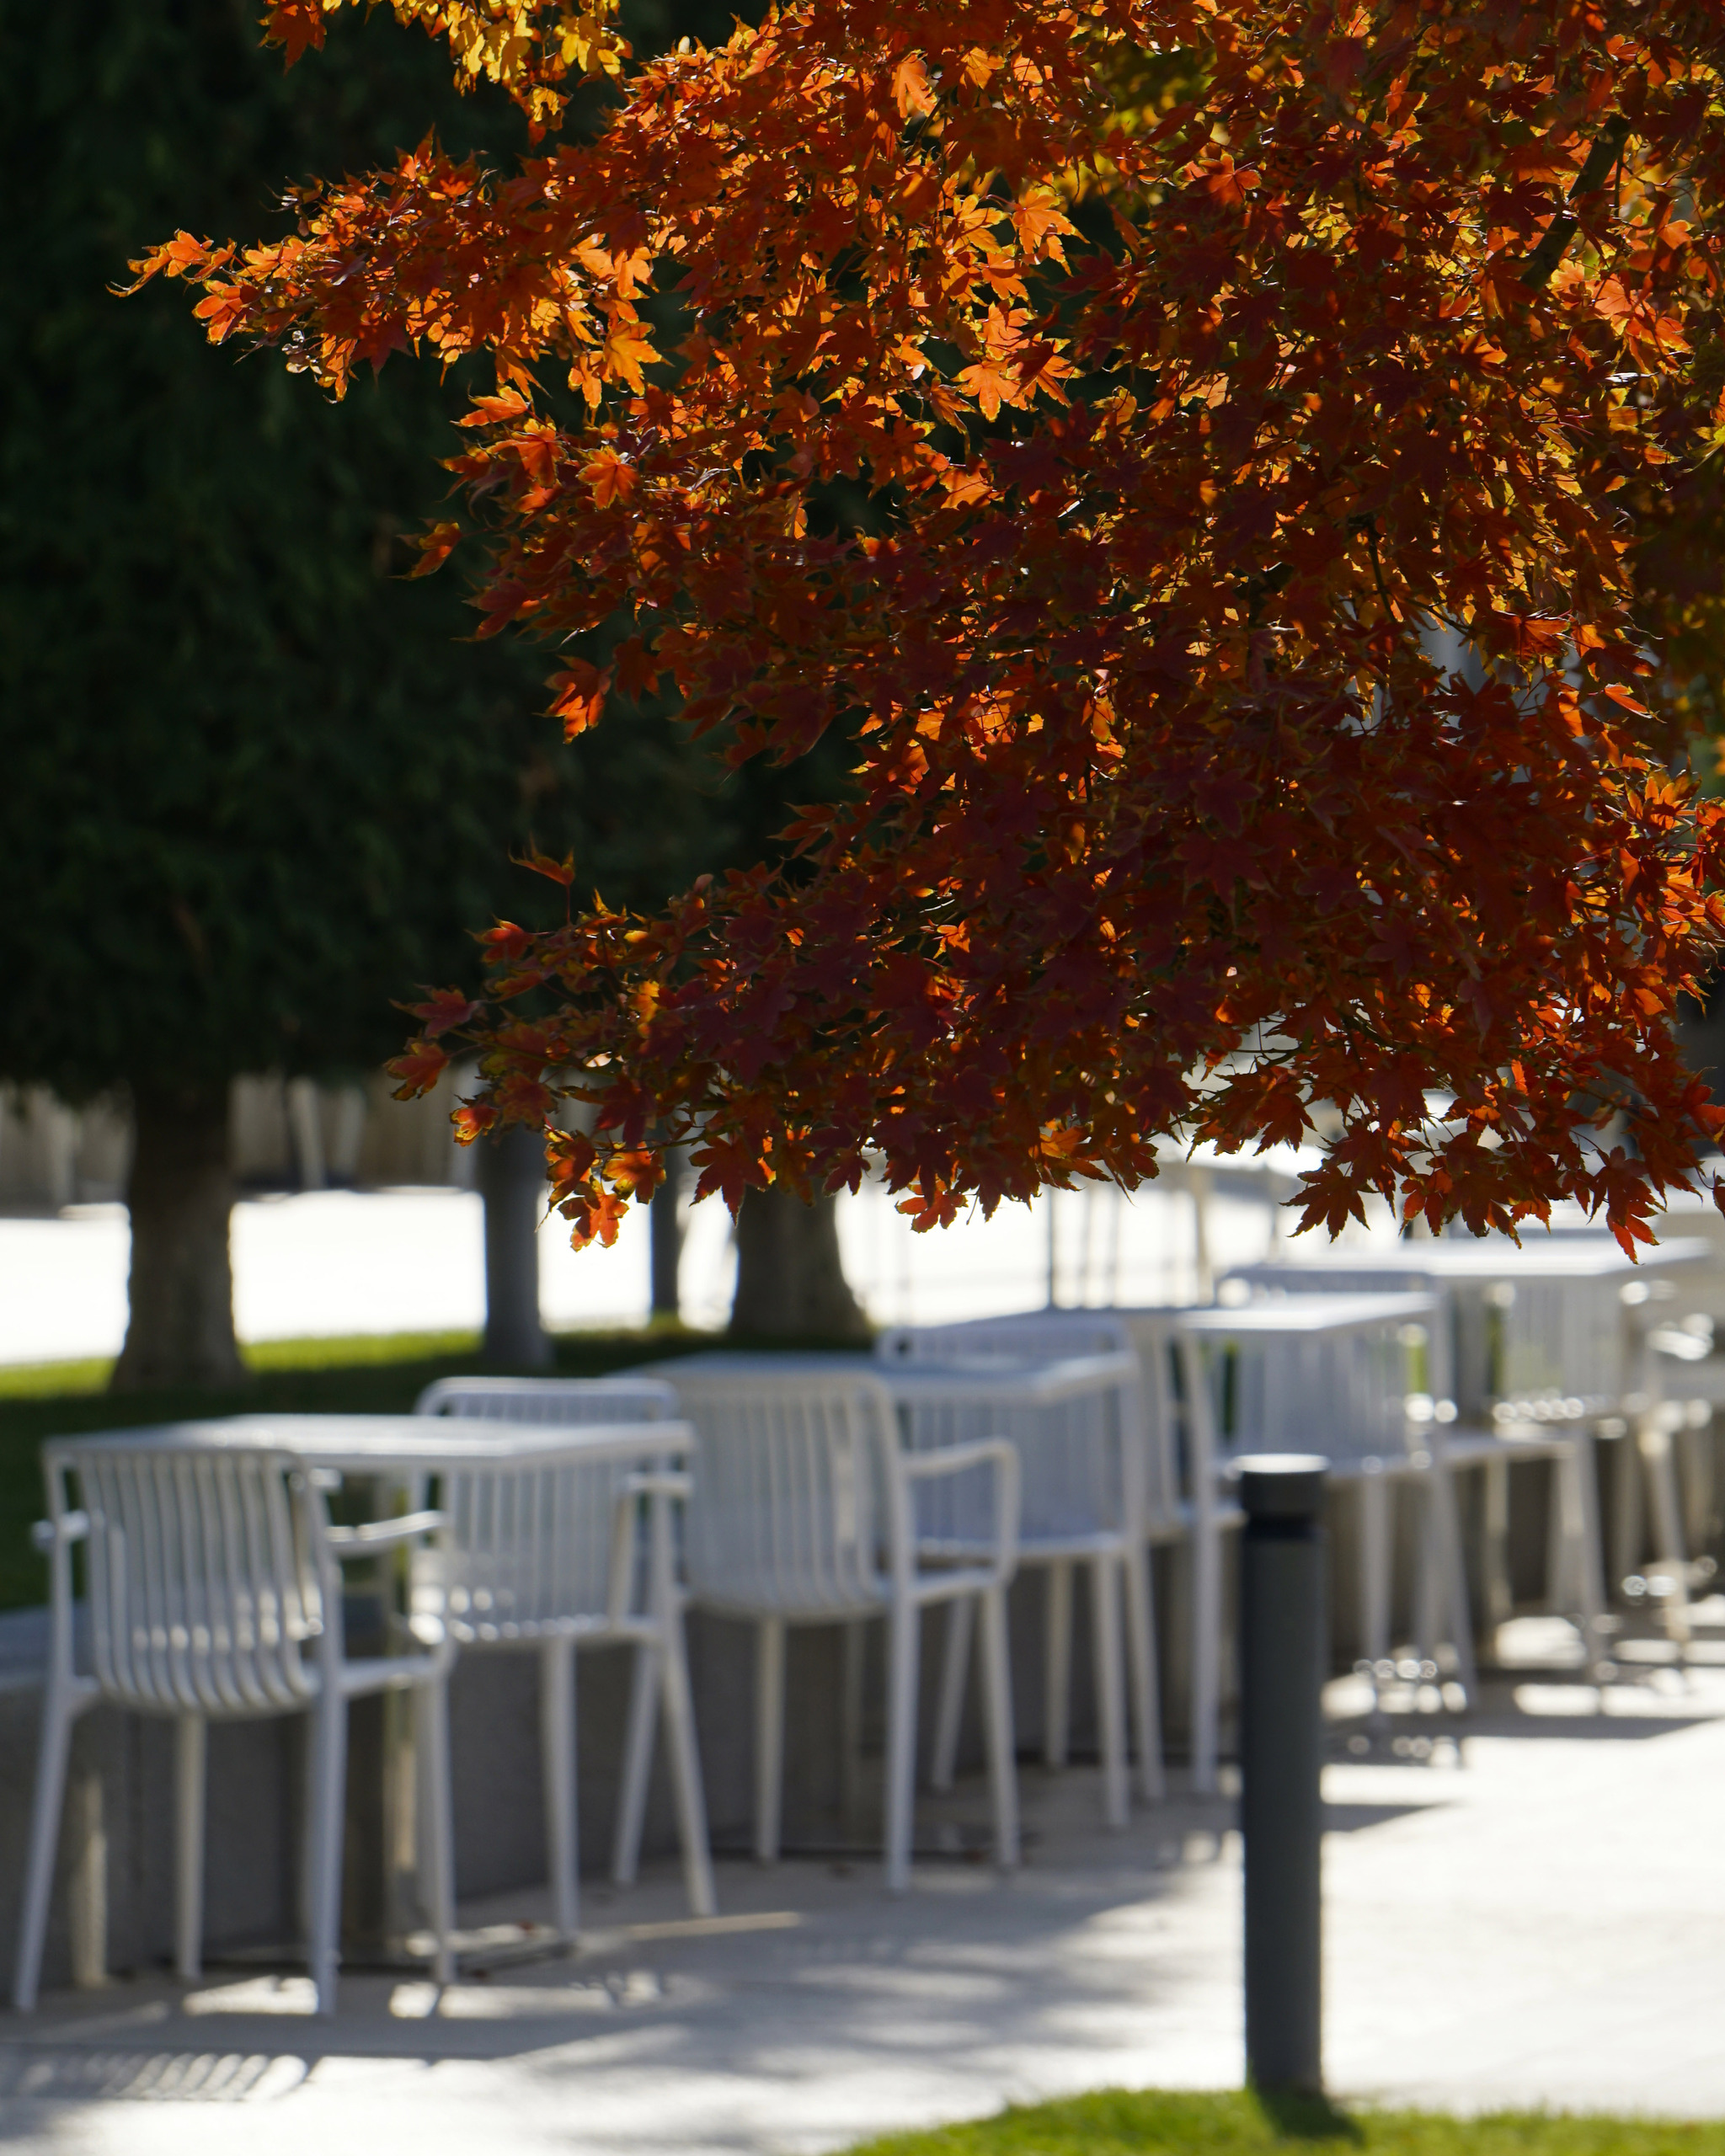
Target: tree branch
[[1554, 242]]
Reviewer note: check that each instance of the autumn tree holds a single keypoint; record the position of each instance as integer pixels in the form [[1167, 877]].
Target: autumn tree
[[1233, 639]]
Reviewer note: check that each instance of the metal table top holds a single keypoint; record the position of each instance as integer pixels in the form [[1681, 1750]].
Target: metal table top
[[1295, 1315], [1034, 1381], [372, 1444]]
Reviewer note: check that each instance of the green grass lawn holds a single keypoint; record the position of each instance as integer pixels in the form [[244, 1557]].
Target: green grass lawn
[[353, 1376], [1121, 2122]]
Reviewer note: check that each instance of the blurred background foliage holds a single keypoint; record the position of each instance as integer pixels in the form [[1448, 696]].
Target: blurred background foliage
[[258, 786]]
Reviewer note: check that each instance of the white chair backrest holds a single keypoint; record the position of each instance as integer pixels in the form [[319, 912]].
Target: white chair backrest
[[534, 1546], [1445, 1356], [798, 1505], [551, 1401], [1568, 1339], [1049, 1335], [203, 1571], [1077, 1462], [1531, 1337], [1338, 1388]]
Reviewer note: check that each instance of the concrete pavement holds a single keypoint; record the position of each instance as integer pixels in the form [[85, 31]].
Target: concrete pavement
[[1536, 1923]]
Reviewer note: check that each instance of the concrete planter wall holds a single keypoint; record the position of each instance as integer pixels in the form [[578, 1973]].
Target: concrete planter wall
[[113, 1900]]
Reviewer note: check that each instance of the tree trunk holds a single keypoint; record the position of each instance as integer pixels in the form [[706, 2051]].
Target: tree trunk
[[512, 1183], [179, 1194], [791, 1281], [664, 1222]]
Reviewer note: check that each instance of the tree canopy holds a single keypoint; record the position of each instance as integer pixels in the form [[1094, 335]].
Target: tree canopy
[[1175, 444]]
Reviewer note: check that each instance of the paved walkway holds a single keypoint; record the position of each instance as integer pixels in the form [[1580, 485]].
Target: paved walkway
[[1540, 1923], [324, 1263]]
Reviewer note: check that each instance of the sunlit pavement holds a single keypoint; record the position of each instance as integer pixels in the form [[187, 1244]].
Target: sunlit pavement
[[1535, 1920], [326, 1263]]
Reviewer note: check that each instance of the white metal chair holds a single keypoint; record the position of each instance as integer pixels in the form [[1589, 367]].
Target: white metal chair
[[1539, 1349], [545, 1559], [806, 1511], [1100, 1485], [215, 1594], [1576, 1350], [1331, 1375]]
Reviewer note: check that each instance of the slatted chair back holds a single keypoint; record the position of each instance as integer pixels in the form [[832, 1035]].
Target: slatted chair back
[[536, 1548], [798, 1508], [1076, 1481], [1525, 1334], [551, 1401], [1089, 1481], [1444, 1354], [1568, 1339], [1316, 1374], [206, 1575]]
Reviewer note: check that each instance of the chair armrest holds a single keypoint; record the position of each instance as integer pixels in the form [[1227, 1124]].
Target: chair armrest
[[1002, 1455], [382, 1534], [952, 1459], [661, 1482], [69, 1526]]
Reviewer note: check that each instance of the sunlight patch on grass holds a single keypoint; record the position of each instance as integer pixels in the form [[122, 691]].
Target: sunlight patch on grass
[[44, 1380], [353, 1350], [342, 1351]]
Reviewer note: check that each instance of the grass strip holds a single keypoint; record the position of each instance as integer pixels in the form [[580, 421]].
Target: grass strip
[[1153, 2123]]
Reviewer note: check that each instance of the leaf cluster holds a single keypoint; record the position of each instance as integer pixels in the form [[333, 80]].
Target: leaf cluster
[[1241, 668]]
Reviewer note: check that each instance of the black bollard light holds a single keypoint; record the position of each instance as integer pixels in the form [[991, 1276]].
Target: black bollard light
[[1283, 1652]]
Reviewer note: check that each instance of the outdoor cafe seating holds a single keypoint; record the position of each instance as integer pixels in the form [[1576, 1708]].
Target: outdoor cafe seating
[[545, 1517], [214, 1579], [1542, 1352], [809, 1510]]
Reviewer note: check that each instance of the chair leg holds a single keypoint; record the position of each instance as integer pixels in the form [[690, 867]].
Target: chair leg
[[1444, 1529], [1141, 1648], [1628, 1520], [1579, 1496], [1498, 1600], [1374, 1526], [637, 1766], [955, 1669], [769, 1734], [328, 1793], [189, 1736], [997, 1726], [1110, 1687], [55, 1745], [904, 1623], [854, 1653], [557, 1746], [685, 1758], [436, 1820], [1206, 1547], [1057, 1683], [1696, 1461], [1429, 1587], [1658, 1456]]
